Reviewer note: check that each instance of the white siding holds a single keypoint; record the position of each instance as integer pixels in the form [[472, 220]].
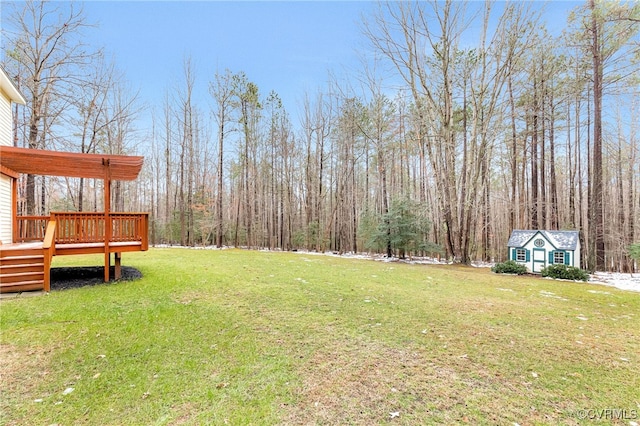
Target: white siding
[[5, 181], [5, 209], [5, 120]]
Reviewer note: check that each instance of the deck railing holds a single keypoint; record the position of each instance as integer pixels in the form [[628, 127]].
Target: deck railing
[[30, 228], [79, 227], [85, 227]]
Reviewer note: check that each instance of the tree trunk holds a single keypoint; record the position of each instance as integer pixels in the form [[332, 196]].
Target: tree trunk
[[597, 173]]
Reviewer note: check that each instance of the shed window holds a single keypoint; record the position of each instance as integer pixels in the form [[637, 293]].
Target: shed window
[[521, 255], [558, 257]]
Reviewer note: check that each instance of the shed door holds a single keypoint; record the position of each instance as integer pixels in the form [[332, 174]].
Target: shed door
[[539, 259]]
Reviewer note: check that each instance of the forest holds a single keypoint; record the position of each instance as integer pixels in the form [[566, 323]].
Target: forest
[[484, 123]]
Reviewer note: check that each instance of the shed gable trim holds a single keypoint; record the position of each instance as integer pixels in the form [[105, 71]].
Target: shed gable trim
[[543, 235]]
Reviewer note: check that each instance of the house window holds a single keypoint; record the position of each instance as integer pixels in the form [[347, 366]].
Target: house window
[[521, 255], [558, 257]]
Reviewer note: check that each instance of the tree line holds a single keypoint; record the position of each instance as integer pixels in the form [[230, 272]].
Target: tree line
[[488, 123]]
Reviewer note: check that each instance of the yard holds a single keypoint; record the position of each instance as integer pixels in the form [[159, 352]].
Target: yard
[[246, 337]]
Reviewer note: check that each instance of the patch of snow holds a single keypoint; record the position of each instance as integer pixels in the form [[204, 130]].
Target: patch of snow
[[482, 264], [189, 247], [617, 279]]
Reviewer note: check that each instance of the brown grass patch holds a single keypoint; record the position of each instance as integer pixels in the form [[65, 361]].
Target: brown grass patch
[[21, 369], [364, 382]]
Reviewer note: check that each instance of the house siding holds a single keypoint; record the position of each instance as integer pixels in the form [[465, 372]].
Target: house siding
[[5, 181], [5, 120], [5, 209]]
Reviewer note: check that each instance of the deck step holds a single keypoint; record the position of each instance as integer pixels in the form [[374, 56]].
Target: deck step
[[22, 286], [13, 252], [21, 277], [21, 260], [21, 267]]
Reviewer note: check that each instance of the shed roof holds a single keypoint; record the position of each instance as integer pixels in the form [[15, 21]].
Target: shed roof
[[70, 164], [563, 240]]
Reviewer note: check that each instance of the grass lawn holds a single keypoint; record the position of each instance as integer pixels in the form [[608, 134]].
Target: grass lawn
[[246, 337]]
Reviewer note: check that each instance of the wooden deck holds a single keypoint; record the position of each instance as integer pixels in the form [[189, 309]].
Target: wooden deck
[[25, 265], [67, 233], [77, 248]]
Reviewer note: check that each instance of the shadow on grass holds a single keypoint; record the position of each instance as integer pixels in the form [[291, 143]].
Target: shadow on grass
[[63, 278]]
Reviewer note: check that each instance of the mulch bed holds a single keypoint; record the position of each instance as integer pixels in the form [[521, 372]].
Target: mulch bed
[[81, 276]]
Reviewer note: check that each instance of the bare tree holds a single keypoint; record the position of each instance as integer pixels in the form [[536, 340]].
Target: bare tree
[[221, 90], [607, 30], [47, 54]]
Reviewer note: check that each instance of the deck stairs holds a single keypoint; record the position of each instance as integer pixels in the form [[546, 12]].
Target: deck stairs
[[21, 269]]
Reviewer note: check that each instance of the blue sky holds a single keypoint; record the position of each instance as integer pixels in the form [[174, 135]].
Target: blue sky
[[287, 47]]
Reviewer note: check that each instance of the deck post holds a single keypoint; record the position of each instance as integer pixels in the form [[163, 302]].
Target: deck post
[[117, 256], [48, 250], [14, 210], [107, 219]]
